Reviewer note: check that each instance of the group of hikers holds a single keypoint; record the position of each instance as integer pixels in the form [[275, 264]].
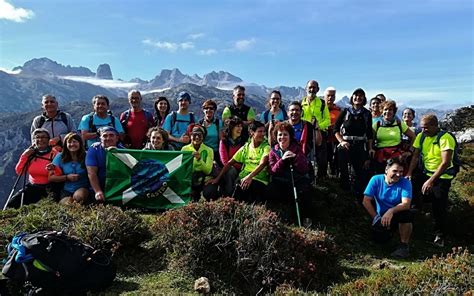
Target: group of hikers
[[273, 156]]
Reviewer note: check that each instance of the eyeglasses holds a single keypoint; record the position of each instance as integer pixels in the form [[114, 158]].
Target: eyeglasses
[[197, 135], [208, 108]]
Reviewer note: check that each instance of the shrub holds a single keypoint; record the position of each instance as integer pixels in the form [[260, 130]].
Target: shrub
[[244, 248], [452, 274], [102, 226]]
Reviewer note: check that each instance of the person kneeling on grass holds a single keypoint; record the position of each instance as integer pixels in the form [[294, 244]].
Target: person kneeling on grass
[[253, 178], [392, 194]]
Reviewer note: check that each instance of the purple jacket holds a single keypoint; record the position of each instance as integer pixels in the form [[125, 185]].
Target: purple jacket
[[281, 168]]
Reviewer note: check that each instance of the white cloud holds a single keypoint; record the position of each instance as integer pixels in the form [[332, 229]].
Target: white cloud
[[11, 13], [169, 46], [102, 82], [196, 36], [245, 44], [10, 71], [187, 45], [210, 51]]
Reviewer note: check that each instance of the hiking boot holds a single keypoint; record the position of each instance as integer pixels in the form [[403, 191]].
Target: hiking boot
[[403, 251], [439, 241]]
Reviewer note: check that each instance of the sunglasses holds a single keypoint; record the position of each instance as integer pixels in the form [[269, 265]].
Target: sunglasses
[[207, 108]]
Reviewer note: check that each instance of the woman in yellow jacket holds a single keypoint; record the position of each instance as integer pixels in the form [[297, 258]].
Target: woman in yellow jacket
[[202, 164]]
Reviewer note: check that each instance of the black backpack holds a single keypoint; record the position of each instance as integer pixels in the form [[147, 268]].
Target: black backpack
[[355, 122], [457, 163], [44, 118], [93, 127], [57, 263]]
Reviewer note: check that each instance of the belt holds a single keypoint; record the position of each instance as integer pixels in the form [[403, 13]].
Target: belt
[[354, 138]]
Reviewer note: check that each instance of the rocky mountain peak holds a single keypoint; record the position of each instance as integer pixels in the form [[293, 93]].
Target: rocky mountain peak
[[104, 72], [45, 66]]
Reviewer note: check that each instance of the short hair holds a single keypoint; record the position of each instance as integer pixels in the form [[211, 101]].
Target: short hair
[[390, 104], [255, 125], [312, 80], [134, 91], [411, 110], [238, 87], [209, 102], [48, 96], [375, 99], [431, 119], [359, 91], [327, 90], [381, 97], [284, 126], [40, 130], [392, 161], [231, 123], [100, 97], [164, 134], [295, 103]]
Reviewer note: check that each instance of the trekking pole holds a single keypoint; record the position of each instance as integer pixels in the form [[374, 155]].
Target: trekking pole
[[22, 174], [296, 196], [315, 163]]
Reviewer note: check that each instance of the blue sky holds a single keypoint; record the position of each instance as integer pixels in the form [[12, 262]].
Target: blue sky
[[413, 51]]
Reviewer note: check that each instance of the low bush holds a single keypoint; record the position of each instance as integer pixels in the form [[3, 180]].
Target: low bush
[[449, 275], [244, 248], [102, 226]]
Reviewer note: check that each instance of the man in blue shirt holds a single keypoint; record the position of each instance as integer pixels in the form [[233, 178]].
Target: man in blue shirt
[[177, 122], [91, 123], [96, 159], [392, 194]]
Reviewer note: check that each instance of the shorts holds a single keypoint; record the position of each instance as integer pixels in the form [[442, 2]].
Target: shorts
[[382, 234]]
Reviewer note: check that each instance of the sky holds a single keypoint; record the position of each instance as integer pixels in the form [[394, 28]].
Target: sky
[[414, 51]]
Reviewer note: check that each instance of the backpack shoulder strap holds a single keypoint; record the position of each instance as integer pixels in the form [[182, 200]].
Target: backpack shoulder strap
[[42, 120], [92, 127], [174, 116], [124, 118], [63, 117], [112, 120], [191, 117], [323, 105], [265, 116]]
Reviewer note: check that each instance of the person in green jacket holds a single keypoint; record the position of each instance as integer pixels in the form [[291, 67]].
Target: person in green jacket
[[202, 164], [316, 111]]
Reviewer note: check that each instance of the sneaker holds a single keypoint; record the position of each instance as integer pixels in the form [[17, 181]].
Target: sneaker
[[439, 241], [402, 252]]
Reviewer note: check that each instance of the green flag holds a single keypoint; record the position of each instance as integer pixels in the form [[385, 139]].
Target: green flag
[[148, 179]]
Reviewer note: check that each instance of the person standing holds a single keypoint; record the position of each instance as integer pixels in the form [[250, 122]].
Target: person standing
[[56, 122], [91, 123], [331, 143], [177, 122], [239, 109], [315, 111], [436, 150], [135, 121]]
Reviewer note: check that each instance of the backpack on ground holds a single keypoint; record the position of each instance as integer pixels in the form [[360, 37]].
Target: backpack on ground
[[58, 263], [44, 118], [457, 163], [93, 127]]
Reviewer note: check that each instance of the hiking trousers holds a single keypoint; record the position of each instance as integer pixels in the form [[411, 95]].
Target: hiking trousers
[[439, 200]]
